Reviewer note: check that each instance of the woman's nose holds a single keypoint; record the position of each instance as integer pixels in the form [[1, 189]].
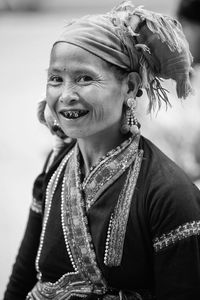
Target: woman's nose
[[68, 95]]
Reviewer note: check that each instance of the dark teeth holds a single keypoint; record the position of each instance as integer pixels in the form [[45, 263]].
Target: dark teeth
[[74, 114]]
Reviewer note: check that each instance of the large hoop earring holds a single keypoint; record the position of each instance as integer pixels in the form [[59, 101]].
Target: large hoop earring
[[130, 122]]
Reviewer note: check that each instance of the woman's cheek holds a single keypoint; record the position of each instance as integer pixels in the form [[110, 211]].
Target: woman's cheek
[[52, 94], [98, 113], [89, 93]]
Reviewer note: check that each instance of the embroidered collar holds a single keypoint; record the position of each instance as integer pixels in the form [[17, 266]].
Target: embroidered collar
[[108, 170], [75, 223]]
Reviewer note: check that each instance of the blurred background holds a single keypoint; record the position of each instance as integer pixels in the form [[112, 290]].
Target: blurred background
[[27, 30]]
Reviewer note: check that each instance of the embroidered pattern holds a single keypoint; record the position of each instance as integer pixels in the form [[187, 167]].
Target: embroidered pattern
[[80, 291], [87, 278], [74, 281], [108, 171], [112, 153], [178, 234], [36, 206], [77, 230], [75, 284], [119, 219]]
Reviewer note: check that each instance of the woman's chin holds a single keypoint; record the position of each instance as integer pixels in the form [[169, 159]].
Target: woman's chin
[[75, 134]]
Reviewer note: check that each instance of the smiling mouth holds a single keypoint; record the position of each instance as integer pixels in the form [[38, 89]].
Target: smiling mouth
[[74, 114]]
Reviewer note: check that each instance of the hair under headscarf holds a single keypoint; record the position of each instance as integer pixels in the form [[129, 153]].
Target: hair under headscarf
[[139, 40]]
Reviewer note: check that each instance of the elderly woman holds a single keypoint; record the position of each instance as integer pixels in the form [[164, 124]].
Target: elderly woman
[[112, 217]]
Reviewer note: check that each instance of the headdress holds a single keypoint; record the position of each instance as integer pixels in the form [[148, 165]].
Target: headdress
[[138, 40]]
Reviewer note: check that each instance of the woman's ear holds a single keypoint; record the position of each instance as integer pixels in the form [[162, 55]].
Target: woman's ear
[[40, 111], [134, 84]]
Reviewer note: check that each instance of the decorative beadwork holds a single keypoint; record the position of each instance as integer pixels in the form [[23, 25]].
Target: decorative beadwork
[[108, 240], [182, 232], [36, 206], [87, 277], [64, 227], [51, 187], [119, 219], [68, 286], [77, 229], [80, 291]]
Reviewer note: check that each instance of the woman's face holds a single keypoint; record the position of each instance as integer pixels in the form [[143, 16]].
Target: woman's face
[[83, 95]]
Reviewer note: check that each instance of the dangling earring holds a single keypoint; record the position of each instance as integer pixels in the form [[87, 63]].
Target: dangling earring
[[55, 126], [130, 122], [55, 123]]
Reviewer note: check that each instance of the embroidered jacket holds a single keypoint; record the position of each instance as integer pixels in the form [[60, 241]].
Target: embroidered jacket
[[135, 227]]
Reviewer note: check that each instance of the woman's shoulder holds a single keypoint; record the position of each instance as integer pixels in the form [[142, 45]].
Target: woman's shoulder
[[170, 198], [59, 154], [51, 164], [159, 169]]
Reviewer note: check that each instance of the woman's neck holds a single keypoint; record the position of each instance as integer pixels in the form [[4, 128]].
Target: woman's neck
[[94, 148]]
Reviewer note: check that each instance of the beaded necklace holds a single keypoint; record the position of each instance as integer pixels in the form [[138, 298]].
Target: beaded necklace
[[50, 190]]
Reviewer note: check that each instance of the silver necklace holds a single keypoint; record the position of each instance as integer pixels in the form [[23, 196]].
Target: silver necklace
[[50, 190]]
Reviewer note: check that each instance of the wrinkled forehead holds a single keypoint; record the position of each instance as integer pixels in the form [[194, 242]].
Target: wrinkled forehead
[[66, 56]]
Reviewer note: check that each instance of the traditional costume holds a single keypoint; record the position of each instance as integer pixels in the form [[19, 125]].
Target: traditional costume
[[130, 229]]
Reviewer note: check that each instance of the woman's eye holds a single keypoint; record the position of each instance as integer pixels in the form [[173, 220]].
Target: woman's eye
[[55, 79], [85, 79]]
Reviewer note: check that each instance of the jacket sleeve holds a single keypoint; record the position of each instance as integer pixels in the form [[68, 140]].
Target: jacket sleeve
[[174, 216], [23, 276]]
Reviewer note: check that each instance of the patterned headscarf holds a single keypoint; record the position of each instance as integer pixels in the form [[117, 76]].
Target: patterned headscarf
[[139, 40]]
